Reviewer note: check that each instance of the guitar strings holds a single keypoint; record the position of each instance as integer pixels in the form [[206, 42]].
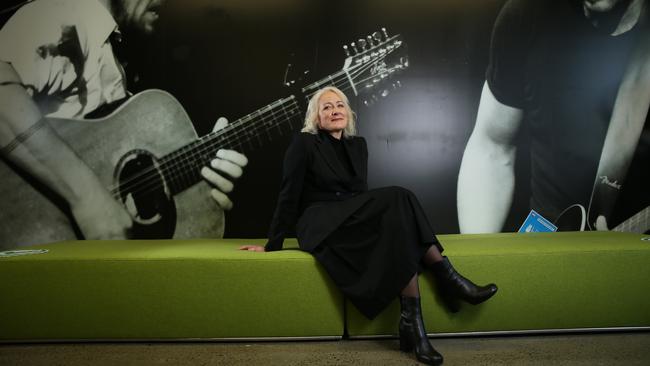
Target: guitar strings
[[228, 138], [633, 222], [203, 149], [247, 138], [170, 163], [238, 140], [182, 153], [247, 118], [204, 154], [331, 78], [190, 153], [180, 158], [151, 183]]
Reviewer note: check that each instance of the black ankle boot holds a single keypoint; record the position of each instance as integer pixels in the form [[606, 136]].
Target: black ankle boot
[[412, 333], [452, 283]]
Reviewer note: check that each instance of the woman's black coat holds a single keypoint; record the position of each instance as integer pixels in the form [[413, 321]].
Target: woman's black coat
[[317, 192]]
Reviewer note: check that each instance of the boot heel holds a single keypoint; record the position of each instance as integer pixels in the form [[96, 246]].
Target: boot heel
[[405, 344], [412, 335]]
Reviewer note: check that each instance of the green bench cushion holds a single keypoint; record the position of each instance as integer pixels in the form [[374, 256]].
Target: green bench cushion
[[164, 289], [186, 289], [546, 281]]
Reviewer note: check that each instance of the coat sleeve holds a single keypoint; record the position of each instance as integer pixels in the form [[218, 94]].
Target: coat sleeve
[[286, 211]]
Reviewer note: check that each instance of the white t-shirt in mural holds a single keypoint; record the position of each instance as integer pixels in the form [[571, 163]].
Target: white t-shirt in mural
[[62, 53]]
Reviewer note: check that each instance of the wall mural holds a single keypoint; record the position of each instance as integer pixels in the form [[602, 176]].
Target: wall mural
[[172, 117]]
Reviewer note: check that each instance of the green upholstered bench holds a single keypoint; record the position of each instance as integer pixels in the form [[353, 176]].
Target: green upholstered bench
[[164, 289], [547, 281], [206, 289]]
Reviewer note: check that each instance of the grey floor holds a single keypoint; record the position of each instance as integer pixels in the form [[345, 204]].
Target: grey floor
[[583, 349]]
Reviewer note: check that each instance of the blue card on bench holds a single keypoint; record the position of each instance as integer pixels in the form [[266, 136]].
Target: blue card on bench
[[536, 223]]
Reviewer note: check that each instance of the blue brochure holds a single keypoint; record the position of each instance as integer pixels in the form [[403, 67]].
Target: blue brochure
[[535, 223]]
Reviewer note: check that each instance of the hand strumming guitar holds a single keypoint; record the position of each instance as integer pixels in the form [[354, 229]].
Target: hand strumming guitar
[[28, 141]]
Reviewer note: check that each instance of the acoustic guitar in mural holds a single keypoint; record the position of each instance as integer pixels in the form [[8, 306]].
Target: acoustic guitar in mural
[[148, 155]]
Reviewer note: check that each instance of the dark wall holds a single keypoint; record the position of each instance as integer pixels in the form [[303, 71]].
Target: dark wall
[[230, 58], [221, 58]]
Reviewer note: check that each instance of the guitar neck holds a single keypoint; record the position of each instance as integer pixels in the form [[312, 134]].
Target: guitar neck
[[182, 167], [340, 80], [638, 223], [361, 73]]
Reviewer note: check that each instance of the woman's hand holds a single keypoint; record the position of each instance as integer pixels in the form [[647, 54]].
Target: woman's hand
[[252, 248]]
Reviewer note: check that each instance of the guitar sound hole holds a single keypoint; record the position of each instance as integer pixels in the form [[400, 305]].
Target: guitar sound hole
[[143, 192]]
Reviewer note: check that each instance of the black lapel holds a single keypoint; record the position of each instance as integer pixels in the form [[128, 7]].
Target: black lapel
[[329, 155]]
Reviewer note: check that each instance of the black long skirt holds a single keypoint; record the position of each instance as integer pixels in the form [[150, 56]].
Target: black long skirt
[[375, 252]]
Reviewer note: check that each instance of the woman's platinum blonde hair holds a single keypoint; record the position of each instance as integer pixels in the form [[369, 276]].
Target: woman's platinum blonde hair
[[312, 120]]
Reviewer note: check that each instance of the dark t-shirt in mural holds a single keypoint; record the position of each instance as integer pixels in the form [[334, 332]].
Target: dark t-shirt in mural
[[550, 61]]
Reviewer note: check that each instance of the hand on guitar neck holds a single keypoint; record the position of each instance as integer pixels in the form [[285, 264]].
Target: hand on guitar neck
[[226, 161]]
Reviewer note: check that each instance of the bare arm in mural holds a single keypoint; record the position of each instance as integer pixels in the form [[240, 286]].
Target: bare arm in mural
[[28, 141], [626, 125], [486, 178]]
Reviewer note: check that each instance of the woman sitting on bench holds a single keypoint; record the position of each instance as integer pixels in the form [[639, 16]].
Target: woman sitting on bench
[[373, 243]]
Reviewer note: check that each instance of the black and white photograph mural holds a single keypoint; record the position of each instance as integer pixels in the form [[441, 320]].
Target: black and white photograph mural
[[576, 74], [170, 119]]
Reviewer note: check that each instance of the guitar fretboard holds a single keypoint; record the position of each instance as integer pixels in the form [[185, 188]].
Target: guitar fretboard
[[638, 223], [182, 167], [339, 80]]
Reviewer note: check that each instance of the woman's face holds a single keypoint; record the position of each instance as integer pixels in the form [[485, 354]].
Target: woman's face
[[332, 113]]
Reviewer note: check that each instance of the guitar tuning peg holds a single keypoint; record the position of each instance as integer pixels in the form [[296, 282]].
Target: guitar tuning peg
[[362, 43], [371, 100], [384, 93], [383, 30], [377, 37], [404, 61], [397, 84], [347, 51], [370, 41], [354, 47]]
